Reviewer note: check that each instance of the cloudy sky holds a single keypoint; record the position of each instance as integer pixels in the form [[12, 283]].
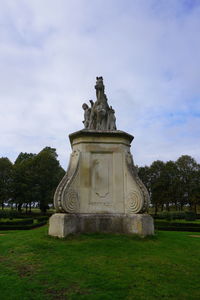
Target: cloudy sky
[[148, 52]]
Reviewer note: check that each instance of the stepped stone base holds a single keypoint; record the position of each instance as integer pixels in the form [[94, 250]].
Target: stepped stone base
[[61, 224]]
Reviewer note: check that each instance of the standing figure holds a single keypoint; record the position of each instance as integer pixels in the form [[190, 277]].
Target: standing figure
[[101, 117], [111, 122], [87, 112]]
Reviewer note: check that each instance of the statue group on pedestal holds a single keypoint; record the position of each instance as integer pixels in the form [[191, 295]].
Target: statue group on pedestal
[[100, 116]]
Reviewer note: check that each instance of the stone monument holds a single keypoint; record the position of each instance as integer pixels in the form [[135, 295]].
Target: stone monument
[[101, 190]]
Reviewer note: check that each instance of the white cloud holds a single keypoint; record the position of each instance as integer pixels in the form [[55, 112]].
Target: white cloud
[[147, 51]]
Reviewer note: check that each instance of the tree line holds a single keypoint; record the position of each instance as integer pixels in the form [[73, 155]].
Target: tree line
[[31, 180], [173, 185]]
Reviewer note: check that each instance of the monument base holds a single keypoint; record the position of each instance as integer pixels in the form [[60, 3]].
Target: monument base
[[61, 224]]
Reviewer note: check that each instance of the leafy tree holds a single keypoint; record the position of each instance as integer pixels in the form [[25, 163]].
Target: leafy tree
[[144, 174], [157, 184], [196, 197], [188, 174], [23, 157], [172, 185], [6, 172], [23, 192], [47, 174], [36, 178]]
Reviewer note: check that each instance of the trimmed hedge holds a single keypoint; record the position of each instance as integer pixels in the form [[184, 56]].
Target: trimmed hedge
[[182, 215], [190, 216], [17, 222], [22, 227], [42, 218], [176, 226], [173, 228], [10, 214], [25, 223]]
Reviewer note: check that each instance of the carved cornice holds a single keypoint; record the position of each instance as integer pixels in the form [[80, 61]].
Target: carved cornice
[[100, 133]]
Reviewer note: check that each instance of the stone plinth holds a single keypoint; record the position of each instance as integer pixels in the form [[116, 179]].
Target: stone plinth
[[101, 177], [63, 224], [101, 185]]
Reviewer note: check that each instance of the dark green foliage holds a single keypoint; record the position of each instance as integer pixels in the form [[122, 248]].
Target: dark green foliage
[[16, 222], [48, 174], [176, 228], [173, 184], [6, 173], [34, 179], [24, 157], [177, 215], [10, 214], [42, 218], [188, 172], [190, 216], [22, 226], [23, 223], [170, 215], [177, 225], [23, 180]]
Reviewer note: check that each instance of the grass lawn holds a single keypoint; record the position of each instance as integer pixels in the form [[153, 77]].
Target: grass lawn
[[98, 266]]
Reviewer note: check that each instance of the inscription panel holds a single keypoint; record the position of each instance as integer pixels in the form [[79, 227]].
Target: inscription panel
[[101, 178]]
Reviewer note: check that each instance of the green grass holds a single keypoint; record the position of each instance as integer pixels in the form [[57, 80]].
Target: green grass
[[98, 266]]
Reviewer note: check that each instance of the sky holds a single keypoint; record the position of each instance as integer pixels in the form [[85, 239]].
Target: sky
[[148, 52]]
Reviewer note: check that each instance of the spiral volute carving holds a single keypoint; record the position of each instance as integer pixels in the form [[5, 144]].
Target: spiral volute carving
[[134, 202], [71, 202]]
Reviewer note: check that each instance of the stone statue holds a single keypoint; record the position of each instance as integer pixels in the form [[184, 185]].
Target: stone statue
[[87, 112], [100, 116], [111, 122], [101, 190]]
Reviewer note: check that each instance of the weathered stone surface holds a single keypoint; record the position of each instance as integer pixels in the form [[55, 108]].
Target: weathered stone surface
[[101, 190], [60, 225], [101, 177], [100, 116]]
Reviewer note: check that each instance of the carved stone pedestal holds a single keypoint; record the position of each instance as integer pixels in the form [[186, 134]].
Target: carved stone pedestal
[[63, 224], [101, 185]]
